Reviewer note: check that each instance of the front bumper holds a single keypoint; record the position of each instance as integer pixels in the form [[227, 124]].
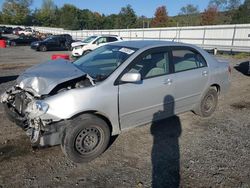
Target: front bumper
[[50, 136], [42, 132], [34, 47], [77, 52]]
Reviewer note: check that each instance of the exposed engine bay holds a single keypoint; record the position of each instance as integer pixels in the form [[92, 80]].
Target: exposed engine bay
[[24, 103]]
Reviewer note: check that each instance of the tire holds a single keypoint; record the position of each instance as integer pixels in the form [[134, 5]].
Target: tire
[[74, 58], [85, 138], [70, 48], [43, 48], [208, 103], [12, 44], [86, 52]]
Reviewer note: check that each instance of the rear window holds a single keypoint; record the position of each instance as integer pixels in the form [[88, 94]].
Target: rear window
[[112, 39]]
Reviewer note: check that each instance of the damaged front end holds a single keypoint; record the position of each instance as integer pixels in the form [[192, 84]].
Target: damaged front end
[[24, 109], [24, 103]]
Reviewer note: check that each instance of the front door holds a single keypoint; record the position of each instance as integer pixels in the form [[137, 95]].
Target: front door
[[152, 98]]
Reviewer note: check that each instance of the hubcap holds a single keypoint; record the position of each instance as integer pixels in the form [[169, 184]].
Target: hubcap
[[209, 103], [87, 140]]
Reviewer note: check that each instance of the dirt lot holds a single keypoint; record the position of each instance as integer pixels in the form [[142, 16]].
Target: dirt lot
[[185, 151]]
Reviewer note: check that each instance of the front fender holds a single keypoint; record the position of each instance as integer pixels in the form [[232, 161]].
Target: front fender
[[68, 104]]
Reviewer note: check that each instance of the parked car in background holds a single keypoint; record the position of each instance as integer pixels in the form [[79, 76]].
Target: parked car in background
[[22, 40], [54, 42], [89, 44], [26, 32], [6, 30], [114, 88], [3, 37], [16, 30]]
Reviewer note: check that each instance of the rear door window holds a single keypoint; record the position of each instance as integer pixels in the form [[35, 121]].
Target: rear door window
[[102, 40], [151, 64], [186, 59]]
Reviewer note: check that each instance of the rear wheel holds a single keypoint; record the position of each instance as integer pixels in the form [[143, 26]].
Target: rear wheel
[[208, 103], [85, 138], [43, 48]]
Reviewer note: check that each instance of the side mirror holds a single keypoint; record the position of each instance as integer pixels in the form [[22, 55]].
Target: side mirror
[[131, 77]]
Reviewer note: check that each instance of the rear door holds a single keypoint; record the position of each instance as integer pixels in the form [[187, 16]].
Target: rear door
[[152, 98], [97, 43], [191, 77], [29, 40]]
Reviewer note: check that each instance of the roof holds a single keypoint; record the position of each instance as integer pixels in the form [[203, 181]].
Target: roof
[[107, 35], [144, 43]]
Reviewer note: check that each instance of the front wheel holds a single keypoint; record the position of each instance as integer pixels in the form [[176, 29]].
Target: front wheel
[[12, 43], [86, 52], [208, 103], [85, 138]]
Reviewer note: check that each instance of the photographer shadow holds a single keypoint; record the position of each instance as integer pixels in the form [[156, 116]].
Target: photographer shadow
[[165, 154]]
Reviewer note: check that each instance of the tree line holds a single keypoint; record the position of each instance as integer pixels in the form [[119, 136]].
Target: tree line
[[68, 16]]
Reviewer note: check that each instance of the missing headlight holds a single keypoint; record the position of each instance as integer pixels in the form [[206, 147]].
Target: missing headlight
[[36, 108]]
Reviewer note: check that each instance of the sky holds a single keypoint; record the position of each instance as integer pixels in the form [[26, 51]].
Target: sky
[[141, 7]]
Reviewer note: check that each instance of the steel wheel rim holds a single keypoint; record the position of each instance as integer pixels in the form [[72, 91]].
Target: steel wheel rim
[[87, 140], [209, 103]]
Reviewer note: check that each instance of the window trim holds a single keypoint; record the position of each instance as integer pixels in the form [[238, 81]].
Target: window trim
[[172, 48], [164, 49]]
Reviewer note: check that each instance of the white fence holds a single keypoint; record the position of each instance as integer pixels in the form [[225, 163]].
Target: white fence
[[222, 37]]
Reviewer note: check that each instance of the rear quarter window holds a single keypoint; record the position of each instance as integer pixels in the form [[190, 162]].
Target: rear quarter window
[[112, 39]]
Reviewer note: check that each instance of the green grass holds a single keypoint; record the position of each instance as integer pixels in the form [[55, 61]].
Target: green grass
[[242, 55]]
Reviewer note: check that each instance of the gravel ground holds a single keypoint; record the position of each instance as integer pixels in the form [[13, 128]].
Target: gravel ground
[[183, 151]]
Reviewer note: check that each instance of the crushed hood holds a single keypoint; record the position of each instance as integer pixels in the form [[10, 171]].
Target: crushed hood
[[43, 78], [80, 43]]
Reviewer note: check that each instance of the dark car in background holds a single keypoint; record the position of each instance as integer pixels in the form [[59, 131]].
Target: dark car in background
[[6, 30], [3, 37], [22, 40], [54, 42]]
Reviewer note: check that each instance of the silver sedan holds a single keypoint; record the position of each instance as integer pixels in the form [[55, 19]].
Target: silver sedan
[[118, 86]]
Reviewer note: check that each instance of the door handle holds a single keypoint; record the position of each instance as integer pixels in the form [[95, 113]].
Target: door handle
[[168, 81], [204, 73]]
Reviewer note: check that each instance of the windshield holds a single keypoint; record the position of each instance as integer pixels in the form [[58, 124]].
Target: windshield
[[100, 63], [89, 39], [49, 38]]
